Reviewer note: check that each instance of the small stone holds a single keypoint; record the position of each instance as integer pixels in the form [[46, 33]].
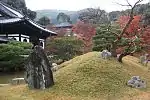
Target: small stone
[[130, 83], [135, 77], [136, 82], [105, 54]]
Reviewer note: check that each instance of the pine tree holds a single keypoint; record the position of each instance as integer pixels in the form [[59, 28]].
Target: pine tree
[[104, 37], [44, 21]]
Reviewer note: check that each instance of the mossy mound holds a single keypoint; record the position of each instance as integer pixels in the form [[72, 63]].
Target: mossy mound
[[89, 77]]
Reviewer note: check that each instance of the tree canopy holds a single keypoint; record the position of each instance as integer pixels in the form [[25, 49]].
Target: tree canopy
[[93, 16], [44, 21], [85, 32], [62, 17], [21, 6], [104, 37]]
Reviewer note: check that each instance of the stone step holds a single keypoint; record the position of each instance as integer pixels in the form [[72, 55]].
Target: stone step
[[2, 85], [17, 81]]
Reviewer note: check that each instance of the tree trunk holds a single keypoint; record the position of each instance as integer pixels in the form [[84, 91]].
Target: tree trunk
[[38, 73], [113, 50], [121, 56]]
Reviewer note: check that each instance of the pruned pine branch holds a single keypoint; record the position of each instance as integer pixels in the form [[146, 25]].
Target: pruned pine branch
[[133, 44], [115, 33], [134, 48]]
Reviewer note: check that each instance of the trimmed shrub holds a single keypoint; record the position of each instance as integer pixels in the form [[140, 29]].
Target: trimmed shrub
[[104, 37], [64, 48], [10, 55]]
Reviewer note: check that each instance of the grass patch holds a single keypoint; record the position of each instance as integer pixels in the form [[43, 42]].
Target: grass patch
[[86, 77]]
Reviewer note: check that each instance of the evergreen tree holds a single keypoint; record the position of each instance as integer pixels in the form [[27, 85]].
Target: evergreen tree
[[62, 17], [104, 37], [44, 21]]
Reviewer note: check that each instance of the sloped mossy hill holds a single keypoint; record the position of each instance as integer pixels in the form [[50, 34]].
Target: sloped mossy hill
[[87, 77], [90, 75]]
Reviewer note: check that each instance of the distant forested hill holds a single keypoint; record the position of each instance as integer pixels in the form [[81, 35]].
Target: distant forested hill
[[114, 15], [52, 14]]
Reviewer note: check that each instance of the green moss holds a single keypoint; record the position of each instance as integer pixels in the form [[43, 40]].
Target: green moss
[[87, 77]]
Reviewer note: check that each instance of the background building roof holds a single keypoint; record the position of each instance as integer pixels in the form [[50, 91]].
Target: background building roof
[[63, 25]]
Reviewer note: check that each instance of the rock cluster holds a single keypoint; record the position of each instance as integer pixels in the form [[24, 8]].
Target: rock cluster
[[136, 82]]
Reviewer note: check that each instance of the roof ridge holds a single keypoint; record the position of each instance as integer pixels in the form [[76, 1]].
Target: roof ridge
[[12, 8]]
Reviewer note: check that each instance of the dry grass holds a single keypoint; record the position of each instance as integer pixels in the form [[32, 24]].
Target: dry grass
[[87, 77]]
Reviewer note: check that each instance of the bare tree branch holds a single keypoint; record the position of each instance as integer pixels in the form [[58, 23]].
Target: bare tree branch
[[130, 20], [122, 4], [129, 3], [92, 15], [137, 3]]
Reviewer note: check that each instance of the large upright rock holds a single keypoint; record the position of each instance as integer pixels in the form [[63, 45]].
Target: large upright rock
[[38, 74]]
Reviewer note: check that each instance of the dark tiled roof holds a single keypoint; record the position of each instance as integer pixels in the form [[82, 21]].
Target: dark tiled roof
[[26, 23], [12, 20], [13, 16], [9, 11], [41, 28]]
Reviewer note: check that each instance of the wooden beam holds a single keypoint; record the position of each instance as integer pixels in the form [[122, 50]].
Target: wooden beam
[[19, 37]]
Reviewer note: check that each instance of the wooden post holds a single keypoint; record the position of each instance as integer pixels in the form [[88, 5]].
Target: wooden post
[[7, 35], [19, 37], [34, 40]]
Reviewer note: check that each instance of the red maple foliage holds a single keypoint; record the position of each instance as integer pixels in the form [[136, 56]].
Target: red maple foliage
[[136, 29], [133, 28], [146, 36], [84, 32]]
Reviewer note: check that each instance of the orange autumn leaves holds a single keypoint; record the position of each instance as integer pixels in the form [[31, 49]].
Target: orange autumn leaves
[[135, 29], [85, 32]]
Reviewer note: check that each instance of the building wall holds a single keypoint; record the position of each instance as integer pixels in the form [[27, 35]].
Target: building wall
[[24, 38], [61, 31]]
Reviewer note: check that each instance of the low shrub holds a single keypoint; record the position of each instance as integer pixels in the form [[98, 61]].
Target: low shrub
[[10, 55], [64, 48]]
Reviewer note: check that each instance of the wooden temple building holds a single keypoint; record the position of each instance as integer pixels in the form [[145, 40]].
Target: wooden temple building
[[62, 29], [14, 25]]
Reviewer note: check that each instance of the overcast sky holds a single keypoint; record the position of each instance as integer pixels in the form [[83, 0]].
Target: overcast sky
[[74, 5]]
